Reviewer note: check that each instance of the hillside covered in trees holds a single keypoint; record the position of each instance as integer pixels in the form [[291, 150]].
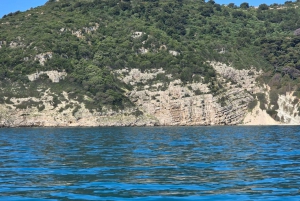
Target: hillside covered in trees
[[91, 39]]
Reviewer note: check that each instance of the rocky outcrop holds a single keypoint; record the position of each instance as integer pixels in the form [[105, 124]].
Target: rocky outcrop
[[288, 111], [137, 34], [80, 33], [192, 104], [43, 57], [53, 75], [244, 78], [15, 44], [174, 53], [155, 103], [83, 118], [135, 76], [44, 112], [179, 105]]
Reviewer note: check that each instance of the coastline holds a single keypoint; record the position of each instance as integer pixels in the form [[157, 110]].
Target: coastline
[[146, 126]]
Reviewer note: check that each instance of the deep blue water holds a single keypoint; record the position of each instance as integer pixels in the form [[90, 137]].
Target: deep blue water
[[169, 163]]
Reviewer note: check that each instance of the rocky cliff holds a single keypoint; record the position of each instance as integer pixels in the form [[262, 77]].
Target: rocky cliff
[[177, 103], [43, 112], [155, 103]]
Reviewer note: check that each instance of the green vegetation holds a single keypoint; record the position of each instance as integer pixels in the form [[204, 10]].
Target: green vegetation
[[90, 38], [252, 105], [262, 99]]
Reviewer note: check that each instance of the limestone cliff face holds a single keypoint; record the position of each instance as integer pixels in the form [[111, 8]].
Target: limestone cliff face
[[193, 104], [245, 79], [155, 103], [83, 118], [69, 113], [288, 111], [178, 105]]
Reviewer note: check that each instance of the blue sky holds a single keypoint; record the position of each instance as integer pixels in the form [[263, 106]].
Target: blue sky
[[7, 6]]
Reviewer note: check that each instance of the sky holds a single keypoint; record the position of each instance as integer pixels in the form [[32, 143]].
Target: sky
[[8, 6]]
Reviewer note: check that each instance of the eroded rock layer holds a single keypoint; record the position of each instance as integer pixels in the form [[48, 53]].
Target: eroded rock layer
[[154, 103]]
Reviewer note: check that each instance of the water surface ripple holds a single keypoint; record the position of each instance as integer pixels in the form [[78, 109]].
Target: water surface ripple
[[169, 163]]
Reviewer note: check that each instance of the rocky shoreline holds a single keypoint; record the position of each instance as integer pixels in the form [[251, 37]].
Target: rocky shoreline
[[159, 104]]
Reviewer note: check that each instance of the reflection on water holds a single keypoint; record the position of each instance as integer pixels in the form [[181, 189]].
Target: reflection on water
[[170, 163]]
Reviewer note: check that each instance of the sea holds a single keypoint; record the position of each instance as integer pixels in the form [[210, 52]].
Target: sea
[[146, 164]]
